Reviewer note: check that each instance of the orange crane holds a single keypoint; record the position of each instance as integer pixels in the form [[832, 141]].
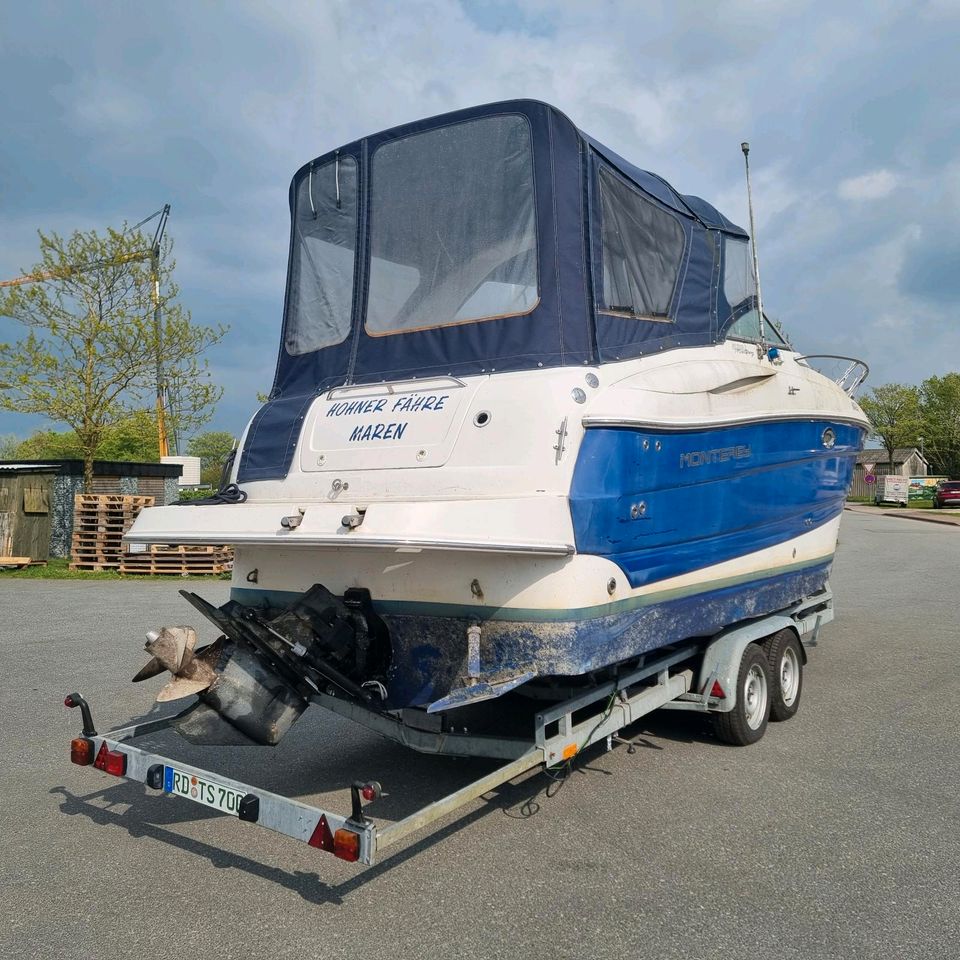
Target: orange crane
[[152, 253]]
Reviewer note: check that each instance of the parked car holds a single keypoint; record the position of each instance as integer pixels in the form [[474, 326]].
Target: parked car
[[947, 494]]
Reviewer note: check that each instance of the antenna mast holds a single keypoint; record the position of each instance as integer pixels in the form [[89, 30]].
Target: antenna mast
[[745, 147]]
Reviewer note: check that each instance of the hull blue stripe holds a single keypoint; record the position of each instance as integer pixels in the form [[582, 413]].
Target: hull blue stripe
[[662, 504]]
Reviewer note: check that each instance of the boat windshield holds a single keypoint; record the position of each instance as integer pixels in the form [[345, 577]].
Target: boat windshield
[[739, 288], [747, 327], [452, 226]]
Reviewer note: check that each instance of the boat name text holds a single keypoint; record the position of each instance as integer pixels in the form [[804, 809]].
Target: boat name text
[[700, 458], [413, 403], [409, 404], [379, 431]]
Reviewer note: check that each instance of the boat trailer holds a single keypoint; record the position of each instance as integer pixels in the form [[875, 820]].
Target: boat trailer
[[706, 675]]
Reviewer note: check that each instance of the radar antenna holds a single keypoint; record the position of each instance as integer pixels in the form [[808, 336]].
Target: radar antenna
[[745, 147]]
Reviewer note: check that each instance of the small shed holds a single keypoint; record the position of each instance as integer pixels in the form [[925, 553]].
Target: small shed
[[26, 511], [907, 462], [157, 480]]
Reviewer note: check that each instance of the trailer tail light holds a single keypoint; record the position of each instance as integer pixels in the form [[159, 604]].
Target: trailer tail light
[[717, 691], [346, 845], [110, 761], [81, 751], [322, 837]]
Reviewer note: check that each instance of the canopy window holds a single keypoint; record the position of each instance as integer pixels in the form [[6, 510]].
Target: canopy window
[[642, 247], [738, 283], [496, 238], [452, 226], [322, 259]]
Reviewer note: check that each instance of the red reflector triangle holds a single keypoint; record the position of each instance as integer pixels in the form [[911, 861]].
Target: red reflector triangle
[[322, 838], [717, 691], [110, 761], [101, 762]]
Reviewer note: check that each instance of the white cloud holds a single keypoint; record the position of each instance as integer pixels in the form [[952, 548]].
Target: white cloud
[[868, 186], [119, 112]]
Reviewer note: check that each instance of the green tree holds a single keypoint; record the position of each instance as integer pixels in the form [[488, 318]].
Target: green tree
[[90, 353], [8, 446], [133, 438], [190, 403], [940, 406], [894, 412], [212, 447], [49, 445]]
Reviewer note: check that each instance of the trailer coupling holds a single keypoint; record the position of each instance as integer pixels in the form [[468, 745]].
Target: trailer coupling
[[257, 679]]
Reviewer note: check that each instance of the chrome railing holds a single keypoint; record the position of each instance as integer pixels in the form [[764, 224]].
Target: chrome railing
[[852, 376]]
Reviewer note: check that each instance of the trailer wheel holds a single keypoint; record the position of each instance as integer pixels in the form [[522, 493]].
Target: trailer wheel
[[786, 674], [746, 723]]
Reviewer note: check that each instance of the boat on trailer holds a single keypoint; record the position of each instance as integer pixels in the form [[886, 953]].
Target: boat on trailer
[[528, 430]]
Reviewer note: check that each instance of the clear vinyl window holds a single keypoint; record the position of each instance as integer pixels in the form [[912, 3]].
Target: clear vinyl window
[[320, 298], [452, 227], [738, 283], [642, 247]]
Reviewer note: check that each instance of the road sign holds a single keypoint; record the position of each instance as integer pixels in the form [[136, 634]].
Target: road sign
[[869, 478], [868, 467]]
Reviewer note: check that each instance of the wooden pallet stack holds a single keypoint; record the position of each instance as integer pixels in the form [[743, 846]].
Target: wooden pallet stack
[[182, 561], [99, 522]]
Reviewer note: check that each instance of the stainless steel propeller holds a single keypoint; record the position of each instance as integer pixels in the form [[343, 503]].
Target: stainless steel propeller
[[172, 649]]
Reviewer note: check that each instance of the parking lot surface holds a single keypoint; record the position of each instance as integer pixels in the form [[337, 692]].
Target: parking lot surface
[[835, 836]]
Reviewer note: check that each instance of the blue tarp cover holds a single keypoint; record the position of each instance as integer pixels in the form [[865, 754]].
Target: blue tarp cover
[[567, 325]]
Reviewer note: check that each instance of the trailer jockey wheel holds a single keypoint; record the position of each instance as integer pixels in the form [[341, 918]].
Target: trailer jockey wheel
[[746, 723], [786, 673]]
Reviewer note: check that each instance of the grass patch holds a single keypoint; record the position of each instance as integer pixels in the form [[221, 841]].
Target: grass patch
[[59, 569], [912, 505]]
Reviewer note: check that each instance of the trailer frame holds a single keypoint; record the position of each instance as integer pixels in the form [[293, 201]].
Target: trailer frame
[[681, 677]]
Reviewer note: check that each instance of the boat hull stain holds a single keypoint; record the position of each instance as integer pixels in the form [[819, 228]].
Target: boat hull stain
[[429, 649]]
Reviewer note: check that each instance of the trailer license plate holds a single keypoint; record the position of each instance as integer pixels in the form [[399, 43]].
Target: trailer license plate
[[201, 790]]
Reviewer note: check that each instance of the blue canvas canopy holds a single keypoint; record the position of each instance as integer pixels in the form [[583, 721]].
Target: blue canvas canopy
[[494, 238]]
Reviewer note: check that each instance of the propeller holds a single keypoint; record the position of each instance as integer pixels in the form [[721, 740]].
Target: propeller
[[172, 649]]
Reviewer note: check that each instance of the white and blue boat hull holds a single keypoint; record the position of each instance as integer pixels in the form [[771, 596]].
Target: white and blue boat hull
[[529, 428]]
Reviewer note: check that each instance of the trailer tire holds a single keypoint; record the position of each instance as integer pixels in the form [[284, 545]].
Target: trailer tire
[[746, 723], [786, 674]]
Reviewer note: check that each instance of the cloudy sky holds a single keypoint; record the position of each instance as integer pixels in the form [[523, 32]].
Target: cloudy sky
[[852, 109]]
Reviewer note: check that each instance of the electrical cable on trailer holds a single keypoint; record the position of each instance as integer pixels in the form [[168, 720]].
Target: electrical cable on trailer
[[564, 769], [231, 493], [226, 491]]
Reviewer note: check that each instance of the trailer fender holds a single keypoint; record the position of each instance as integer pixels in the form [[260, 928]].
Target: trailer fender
[[721, 659]]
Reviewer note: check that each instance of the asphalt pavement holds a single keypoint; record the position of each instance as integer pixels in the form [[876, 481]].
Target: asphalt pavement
[[834, 836]]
